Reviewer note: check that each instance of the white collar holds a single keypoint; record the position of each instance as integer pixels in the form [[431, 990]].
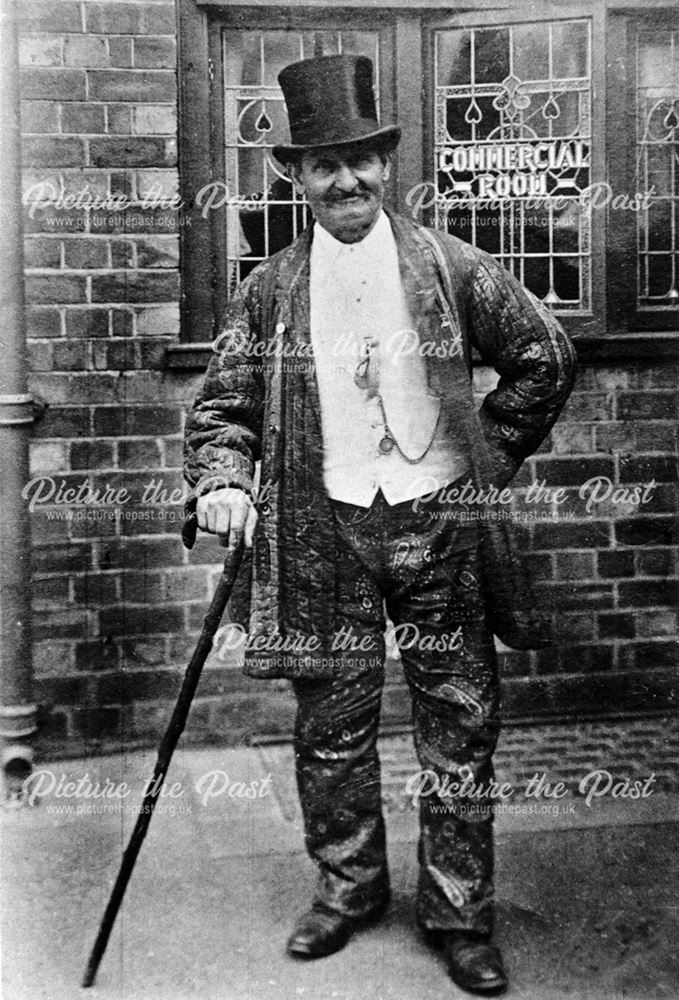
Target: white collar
[[373, 246]]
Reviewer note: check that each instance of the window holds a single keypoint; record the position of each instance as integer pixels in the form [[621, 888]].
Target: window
[[264, 213], [512, 150], [547, 137]]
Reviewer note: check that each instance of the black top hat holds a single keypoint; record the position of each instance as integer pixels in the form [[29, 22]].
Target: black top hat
[[330, 102]]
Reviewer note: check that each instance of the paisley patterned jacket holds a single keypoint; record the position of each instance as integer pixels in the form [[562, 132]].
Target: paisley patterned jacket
[[259, 401]]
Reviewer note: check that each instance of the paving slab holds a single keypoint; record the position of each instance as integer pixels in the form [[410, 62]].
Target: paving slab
[[587, 900]]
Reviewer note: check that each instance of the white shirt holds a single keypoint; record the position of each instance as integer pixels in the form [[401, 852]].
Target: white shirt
[[356, 295]]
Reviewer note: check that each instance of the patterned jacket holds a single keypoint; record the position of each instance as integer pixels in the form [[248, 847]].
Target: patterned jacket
[[260, 401]]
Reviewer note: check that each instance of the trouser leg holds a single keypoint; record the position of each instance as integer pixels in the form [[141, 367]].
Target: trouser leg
[[338, 777], [450, 665]]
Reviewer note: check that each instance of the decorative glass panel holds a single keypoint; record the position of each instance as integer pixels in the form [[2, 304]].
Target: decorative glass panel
[[263, 211], [657, 107], [513, 116]]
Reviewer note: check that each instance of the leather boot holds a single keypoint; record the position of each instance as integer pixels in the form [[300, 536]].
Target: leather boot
[[321, 931]]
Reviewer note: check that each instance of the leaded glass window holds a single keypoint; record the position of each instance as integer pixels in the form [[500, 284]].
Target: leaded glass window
[[264, 213], [657, 141], [513, 136]]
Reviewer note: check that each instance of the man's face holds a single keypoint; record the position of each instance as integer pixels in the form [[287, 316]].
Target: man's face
[[344, 186]]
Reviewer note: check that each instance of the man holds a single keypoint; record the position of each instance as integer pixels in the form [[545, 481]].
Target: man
[[343, 363]]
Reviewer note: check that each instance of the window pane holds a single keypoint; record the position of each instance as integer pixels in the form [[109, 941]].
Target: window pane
[[657, 114], [262, 212], [513, 147]]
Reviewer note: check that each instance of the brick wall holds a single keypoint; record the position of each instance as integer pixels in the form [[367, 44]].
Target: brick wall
[[118, 603]]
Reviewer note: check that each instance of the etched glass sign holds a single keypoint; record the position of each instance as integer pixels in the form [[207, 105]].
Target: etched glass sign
[[513, 111]]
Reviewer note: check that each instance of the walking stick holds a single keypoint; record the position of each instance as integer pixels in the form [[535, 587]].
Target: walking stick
[[168, 745]]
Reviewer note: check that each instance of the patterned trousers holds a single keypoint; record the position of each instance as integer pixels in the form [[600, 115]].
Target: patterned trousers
[[422, 566]]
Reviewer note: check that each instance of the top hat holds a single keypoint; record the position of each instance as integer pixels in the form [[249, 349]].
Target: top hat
[[330, 102]]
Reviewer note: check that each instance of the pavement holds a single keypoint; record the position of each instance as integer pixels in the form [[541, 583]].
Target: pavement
[[586, 893]]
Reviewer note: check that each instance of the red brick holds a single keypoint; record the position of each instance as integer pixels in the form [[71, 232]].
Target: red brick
[[145, 653], [96, 588], [63, 422], [117, 18], [645, 530], [174, 454], [50, 16], [86, 50], [135, 286], [122, 254], [150, 119], [122, 323], [97, 655], [117, 355], [613, 437], [76, 388], [141, 620], [615, 563], [132, 151], [119, 118], [82, 118], [156, 86], [580, 659], [40, 356], [617, 625], [92, 455], [657, 436], [659, 405], [43, 322], [594, 534], [656, 623], [120, 52], [73, 557], [139, 454], [47, 532], [163, 251], [572, 472], [42, 252], [93, 724], [48, 456], [136, 421], [142, 553], [135, 220], [40, 51], [39, 116], [52, 151], [54, 220], [572, 439], [86, 253], [122, 188], [53, 84], [655, 375], [647, 593], [152, 353], [61, 624], [644, 468], [649, 655], [571, 596], [155, 53], [574, 565], [588, 406], [182, 584], [55, 288], [50, 591], [655, 562], [52, 658], [87, 323], [70, 355]]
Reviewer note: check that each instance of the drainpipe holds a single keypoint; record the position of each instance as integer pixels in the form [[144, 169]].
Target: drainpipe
[[18, 714]]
